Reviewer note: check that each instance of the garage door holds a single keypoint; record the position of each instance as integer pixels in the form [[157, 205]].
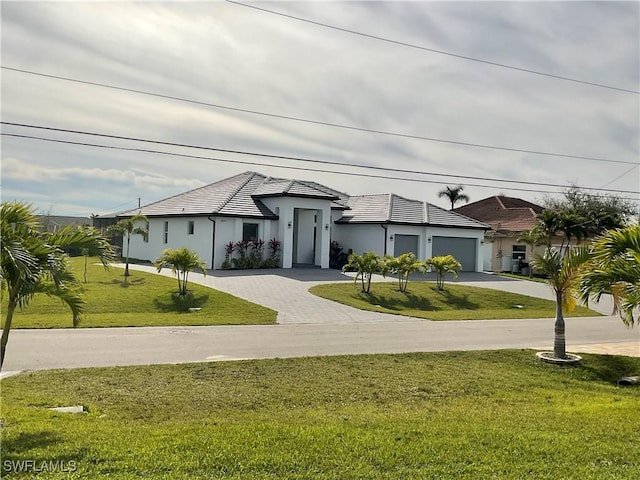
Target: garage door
[[405, 244], [463, 249]]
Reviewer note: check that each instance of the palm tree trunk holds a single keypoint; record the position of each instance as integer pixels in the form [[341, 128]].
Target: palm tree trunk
[[559, 342], [11, 307], [126, 264]]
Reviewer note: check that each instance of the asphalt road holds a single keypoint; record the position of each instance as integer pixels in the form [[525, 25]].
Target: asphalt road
[[67, 348]]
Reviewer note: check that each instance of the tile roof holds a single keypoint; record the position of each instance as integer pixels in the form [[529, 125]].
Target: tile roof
[[391, 208], [231, 196], [504, 214], [240, 196]]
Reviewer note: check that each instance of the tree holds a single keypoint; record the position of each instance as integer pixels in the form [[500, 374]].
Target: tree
[[365, 265], [454, 194], [532, 238], [443, 265], [34, 261], [403, 266], [581, 215], [563, 275], [614, 268], [127, 227], [181, 262]]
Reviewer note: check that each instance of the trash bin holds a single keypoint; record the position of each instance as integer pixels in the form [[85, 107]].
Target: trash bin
[[515, 266]]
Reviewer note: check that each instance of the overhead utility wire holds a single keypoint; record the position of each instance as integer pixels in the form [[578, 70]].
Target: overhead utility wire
[[433, 50], [300, 159], [245, 162], [317, 122]]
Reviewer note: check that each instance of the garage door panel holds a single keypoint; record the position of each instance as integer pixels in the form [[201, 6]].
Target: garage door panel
[[405, 244], [463, 250]]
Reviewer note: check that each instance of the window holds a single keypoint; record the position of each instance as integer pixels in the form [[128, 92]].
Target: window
[[249, 232], [165, 236], [519, 252], [191, 226]]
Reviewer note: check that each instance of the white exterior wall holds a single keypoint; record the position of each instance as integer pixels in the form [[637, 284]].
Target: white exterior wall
[[458, 232], [360, 238], [285, 208], [200, 241], [421, 232]]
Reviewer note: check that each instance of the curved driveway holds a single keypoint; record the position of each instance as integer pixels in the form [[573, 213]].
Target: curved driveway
[[308, 325]]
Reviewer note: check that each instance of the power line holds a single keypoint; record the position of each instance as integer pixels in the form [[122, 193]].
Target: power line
[[433, 50], [305, 169], [620, 176], [316, 122], [299, 159]]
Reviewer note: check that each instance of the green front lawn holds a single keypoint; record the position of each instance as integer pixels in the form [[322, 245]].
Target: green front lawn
[[143, 300], [457, 302], [471, 415]]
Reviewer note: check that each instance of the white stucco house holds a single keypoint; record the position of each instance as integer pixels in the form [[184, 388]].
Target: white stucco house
[[305, 217]]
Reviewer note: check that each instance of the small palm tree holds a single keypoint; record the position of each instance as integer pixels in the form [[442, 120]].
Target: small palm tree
[[34, 261], [454, 194], [181, 262], [128, 227], [615, 269], [403, 266], [443, 265], [563, 275], [366, 265]]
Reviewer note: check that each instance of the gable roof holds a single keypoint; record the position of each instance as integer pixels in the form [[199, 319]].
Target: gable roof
[[504, 214], [393, 209]]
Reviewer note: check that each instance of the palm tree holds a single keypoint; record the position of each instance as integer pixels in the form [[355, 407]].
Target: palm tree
[[366, 265], [442, 265], [34, 261], [181, 262], [615, 269], [127, 227], [403, 266], [563, 275], [454, 194]]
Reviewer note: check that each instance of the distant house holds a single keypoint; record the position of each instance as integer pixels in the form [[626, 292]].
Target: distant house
[[305, 217], [508, 217]]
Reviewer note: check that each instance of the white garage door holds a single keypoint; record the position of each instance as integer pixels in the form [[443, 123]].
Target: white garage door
[[463, 250]]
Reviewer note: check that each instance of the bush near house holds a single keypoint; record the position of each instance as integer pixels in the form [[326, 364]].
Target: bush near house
[[250, 254]]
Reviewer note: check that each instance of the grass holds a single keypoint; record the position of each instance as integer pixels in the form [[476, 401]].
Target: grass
[[522, 277], [143, 300], [457, 302], [471, 415]]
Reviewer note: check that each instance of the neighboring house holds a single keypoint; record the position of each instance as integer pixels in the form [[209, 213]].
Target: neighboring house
[[304, 216], [51, 223], [508, 217]]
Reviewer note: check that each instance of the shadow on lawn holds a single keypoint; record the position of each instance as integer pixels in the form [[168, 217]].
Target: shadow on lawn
[[28, 441], [408, 300], [130, 282], [610, 368], [172, 302]]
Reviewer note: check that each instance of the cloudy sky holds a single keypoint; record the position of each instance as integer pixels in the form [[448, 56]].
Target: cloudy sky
[[240, 60]]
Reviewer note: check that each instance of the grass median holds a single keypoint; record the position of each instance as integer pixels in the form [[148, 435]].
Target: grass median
[[456, 302], [143, 300], [463, 415]]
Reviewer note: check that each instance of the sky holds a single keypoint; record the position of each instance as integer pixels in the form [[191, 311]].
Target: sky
[[240, 70]]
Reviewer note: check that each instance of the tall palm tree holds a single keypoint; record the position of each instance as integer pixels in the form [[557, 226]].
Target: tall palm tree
[[181, 262], [454, 194], [563, 276], [615, 269], [34, 261], [128, 227]]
